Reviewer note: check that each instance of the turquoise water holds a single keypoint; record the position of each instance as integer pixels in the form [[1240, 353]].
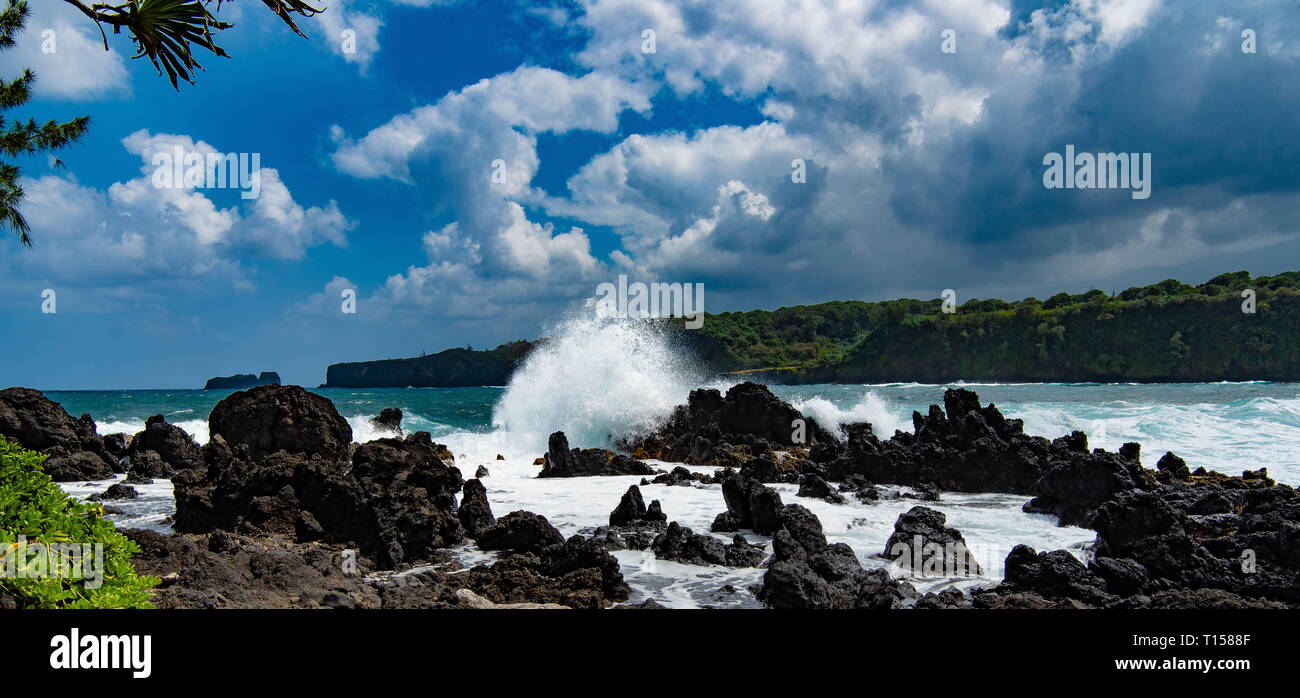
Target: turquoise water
[[1223, 426], [437, 410]]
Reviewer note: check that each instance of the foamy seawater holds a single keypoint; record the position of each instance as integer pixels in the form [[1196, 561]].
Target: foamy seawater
[[992, 524], [1229, 427], [599, 379]]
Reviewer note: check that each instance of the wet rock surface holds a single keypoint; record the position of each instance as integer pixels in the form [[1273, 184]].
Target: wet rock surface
[[746, 427], [561, 461], [115, 491], [1159, 548], [922, 542], [389, 419], [632, 511], [681, 544]]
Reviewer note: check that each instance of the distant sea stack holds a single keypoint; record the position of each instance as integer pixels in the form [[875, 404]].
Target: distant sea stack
[[242, 381]]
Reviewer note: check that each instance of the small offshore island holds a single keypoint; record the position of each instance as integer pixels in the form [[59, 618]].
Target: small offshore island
[[242, 381]]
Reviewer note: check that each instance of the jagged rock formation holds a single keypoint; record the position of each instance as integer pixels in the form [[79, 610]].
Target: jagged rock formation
[[162, 449], [76, 450], [560, 461]]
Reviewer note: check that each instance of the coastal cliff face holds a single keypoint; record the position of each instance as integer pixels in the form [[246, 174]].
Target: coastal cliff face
[[1185, 340], [242, 381], [453, 368], [1230, 328]]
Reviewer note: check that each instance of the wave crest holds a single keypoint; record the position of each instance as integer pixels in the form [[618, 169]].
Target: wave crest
[[596, 379]]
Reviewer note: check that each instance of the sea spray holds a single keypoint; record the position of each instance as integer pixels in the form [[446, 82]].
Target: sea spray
[[196, 428], [596, 379], [871, 408]]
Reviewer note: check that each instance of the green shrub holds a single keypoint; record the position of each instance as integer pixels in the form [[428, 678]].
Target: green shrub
[[33, 507]]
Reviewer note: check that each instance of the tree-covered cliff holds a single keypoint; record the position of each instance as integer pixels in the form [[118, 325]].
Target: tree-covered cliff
[[453, 368], [1170, 331]]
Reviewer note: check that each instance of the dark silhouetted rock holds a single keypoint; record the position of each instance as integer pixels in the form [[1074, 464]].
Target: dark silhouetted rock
[[396, 502], [742, 553], [1055, 575], [79, 466], [273, 418], [242, 381], [115, 491], [37, 423], [1123, 576], [681, 544], [632, 512], [388, 419], [713, 429], [1079, 482], [520, 530], [560, 461], [116, 445], [135, 478], [678, 477], [475, 513], [578, 555], [803, 526], [923, 543], [1173, 465], [725, 522], [811, 485], [175, 450], [832, 578]]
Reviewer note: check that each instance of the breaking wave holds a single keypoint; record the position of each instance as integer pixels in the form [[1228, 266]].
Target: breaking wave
[[596, 379]]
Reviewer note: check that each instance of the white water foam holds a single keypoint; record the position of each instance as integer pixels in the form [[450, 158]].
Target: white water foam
[[152, 509], [991, 523], [197, 428], [871, 408], [1230, 438], [595, 379]]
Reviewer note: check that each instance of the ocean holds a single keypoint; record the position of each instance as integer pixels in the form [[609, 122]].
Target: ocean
[[598, 380], [1223, 426]]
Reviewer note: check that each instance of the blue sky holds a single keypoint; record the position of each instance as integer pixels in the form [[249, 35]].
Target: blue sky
[[924, 169]]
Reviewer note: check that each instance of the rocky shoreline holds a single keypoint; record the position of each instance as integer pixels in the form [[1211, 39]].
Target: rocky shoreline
[[280, 509]]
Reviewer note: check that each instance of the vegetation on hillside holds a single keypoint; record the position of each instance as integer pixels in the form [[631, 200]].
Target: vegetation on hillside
[[1169, 331], [453, 368]]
